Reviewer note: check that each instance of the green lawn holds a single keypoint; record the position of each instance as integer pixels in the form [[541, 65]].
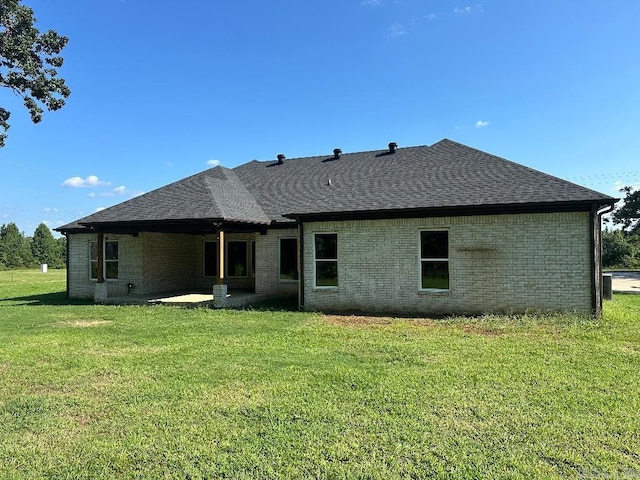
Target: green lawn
[[162, 392]]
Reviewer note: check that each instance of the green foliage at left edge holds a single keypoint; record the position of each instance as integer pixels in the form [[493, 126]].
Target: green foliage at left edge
[[28, 63]]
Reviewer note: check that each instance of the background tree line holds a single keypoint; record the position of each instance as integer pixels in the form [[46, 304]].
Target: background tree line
[[19, 251], [621, 248]]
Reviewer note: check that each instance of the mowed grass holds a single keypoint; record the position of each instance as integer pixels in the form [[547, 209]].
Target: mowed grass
[[161, 392]]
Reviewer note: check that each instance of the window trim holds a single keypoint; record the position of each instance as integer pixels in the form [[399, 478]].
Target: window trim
[[104, 261], [422, 260], [288, 280], [316, 260]]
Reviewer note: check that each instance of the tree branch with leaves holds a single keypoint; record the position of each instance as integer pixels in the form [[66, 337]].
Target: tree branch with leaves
[[29, 63], [628, 214]]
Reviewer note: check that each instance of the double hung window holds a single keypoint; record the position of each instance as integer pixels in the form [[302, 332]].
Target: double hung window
[[110, 266], [326, 259], [434, 260]]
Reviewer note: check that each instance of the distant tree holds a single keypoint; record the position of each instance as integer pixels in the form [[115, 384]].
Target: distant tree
[[620, 250], [28, 63], [61, 244], [44, 247], [628, 215], [14, 248]]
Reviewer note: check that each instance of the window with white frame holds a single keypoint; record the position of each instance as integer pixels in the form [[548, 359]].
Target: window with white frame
[[326, 259], [110, 256], [434, 260], [288, 259]]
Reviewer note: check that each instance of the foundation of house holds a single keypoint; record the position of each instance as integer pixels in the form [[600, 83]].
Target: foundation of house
[[220, 296], [100, 293]]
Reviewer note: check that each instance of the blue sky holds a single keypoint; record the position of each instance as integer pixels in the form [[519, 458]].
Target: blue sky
[[162, 89]]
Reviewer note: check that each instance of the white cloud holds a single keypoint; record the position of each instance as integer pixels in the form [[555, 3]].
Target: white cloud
[[121, 190], [51, 210], [468, 10], [79, 182], [371, 2], [213, 163], [482, 123], [398, 30], [99, 209], [431, 17], [463, 10]]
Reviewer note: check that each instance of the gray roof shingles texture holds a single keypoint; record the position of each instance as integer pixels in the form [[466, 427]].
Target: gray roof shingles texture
[[444, 175]]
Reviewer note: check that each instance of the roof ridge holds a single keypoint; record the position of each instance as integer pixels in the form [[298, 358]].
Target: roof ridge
[[234, 183], [329, 155]]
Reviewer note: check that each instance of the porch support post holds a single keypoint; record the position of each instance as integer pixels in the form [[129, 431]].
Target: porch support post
[[220, 255], [220, 289], [100, 292], [101, 258]]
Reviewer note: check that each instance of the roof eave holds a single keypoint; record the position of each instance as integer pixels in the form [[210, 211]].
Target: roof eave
[[454, 211], [178, 225]]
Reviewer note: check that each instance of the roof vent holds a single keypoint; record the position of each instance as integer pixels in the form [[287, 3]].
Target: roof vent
[[336, 153], [281, 158], [393, 146]]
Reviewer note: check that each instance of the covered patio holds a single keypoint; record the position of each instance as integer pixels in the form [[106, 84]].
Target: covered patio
[[194, 299]]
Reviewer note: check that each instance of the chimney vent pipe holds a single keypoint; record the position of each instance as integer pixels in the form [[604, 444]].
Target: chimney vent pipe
[[393, 146], [336, 153], [281, 158]]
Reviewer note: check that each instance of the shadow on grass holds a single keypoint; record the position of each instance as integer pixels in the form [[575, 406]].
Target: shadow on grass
[[56, 298], [282, 304]]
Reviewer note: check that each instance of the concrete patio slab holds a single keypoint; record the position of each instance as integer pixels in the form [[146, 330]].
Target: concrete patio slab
[[235, 299]]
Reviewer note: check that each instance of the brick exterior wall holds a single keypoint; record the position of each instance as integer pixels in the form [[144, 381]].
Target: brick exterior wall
[[129, 265], [169, 262], [155, 262], [268, 267], [497, 263]]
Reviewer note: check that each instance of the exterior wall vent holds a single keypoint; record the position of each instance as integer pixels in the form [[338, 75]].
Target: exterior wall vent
[[281, 158], [393, 146], [336, 153]]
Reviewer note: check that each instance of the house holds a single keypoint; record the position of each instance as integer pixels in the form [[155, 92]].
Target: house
[[426, 230]]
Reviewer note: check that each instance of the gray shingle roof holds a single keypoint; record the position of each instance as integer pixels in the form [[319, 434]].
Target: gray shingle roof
[[444, 175], [215, 194]]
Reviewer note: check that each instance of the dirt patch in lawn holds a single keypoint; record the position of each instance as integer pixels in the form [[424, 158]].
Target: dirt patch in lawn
[[84, 323], [369, 321]]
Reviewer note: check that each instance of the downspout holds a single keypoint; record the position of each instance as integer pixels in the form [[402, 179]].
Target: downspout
[[66, 261], [596, 269], [301, 266]]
